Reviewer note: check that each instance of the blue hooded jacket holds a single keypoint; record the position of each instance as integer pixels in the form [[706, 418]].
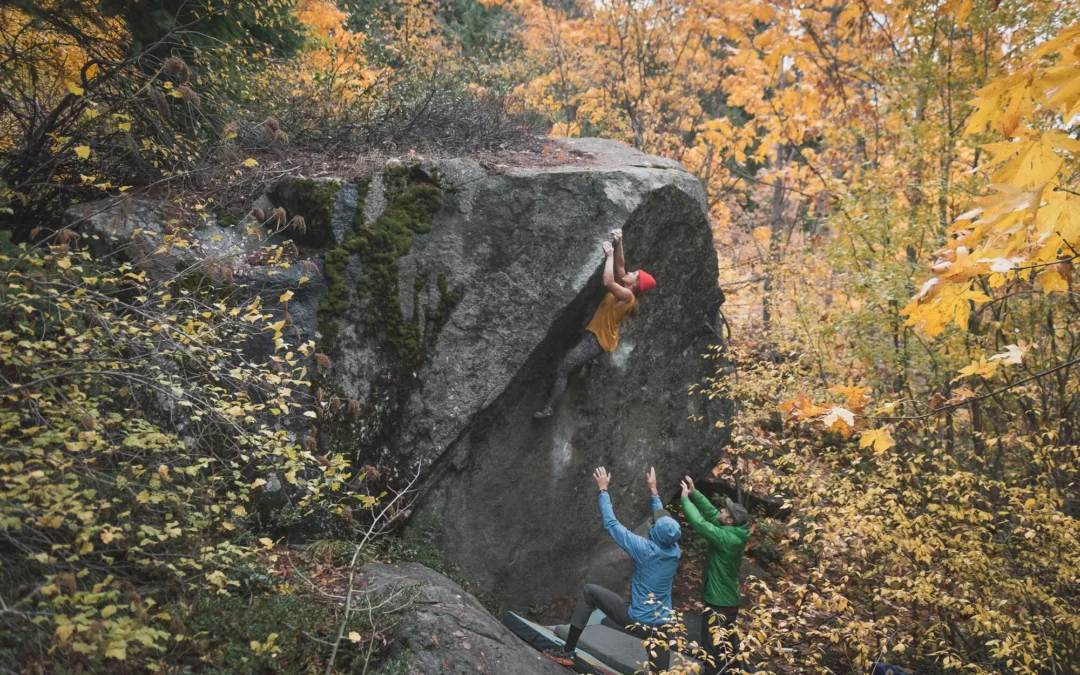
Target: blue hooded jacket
[[655, 561]]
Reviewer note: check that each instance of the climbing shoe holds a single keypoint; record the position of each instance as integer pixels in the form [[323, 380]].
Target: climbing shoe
[[563, 658], [544, 414]]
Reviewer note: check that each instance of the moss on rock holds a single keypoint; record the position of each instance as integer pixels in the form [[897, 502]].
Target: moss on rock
[[413, 196]]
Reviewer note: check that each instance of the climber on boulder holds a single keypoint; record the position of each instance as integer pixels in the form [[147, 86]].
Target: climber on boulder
[[602, 333], [725, 532], [655, 561]]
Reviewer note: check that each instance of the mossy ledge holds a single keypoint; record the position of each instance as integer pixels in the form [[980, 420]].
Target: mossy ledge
[[413, 196]]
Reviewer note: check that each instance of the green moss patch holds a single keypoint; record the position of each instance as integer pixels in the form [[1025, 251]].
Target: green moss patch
[[413, 197]]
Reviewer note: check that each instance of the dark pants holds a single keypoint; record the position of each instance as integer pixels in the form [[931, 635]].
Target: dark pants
[[618, 610], [723, 656], [587, 349]]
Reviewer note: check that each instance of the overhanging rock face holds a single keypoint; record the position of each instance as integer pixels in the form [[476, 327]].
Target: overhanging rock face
[[522, 250]]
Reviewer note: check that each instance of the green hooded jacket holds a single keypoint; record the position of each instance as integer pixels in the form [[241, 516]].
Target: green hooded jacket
[[720, 580]]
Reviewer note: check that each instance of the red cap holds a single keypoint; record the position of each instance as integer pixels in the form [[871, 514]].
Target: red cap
[[645, 281]]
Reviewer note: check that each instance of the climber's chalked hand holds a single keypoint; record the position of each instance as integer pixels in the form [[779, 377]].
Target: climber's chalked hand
[[603, 478]]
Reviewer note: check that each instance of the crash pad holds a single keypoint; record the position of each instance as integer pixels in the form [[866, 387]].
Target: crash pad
[[602, 646], [544, 637]]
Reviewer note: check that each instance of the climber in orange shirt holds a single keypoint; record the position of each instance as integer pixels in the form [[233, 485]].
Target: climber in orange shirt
[[602, 333]]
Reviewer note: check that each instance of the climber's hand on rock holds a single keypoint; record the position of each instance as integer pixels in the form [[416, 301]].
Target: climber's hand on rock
[[603, 478], [686, 488], [689, 482], [616, 236], [608, 249], [650, 478]]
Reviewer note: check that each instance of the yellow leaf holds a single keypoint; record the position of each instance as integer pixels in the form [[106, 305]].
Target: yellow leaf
[[267, 542], [982, 368], [75, 89], [143, 497], [354, 636], [83, 151], [285, 297], [124, 126], [1029, 504], [881, 439], [65, 631], [108, 611], [64, 263], [117, 650], [1050, 281], [239, 510], [250, 162]]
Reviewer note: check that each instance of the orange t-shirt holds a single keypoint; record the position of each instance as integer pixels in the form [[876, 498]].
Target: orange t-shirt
[[605, 323]]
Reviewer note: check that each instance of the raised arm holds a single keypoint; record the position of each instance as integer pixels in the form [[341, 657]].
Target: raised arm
[[702, 517], [621, 293], [708, 511], [620, 259], [654, 499], [708, 528], [636, 547]]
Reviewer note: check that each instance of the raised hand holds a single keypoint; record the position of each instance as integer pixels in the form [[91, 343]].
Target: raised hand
[[616, 236], [686, 489], [689, 482], [608, 249], [650, 478], [603, 478]]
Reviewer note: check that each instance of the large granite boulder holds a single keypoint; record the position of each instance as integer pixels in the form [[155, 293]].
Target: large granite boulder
[[520, 253], [445, 293], [446, 631]]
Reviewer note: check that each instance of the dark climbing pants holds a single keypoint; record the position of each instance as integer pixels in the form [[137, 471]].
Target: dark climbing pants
[[618, 610], [587, 349], [723, 659]]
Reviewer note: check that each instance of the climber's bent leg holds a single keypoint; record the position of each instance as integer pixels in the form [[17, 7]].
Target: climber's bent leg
[[587, 349], [592, 597]]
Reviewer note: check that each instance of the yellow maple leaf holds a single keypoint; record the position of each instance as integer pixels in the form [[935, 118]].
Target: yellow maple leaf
[[83, 151], [1050, 281], [250, 162], [857, 397], [881, 439], [982, 368], [1061, 215]]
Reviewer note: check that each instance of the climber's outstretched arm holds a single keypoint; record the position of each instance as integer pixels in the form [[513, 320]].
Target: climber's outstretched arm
[[636, 546], [620, 259], [621, 293]]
